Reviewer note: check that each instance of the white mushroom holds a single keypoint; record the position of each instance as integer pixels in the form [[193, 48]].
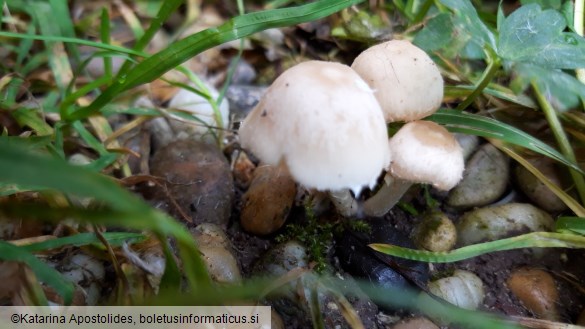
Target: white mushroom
[[409, 87], [407, 82], [426, 152], [423, 152], [322, 121]]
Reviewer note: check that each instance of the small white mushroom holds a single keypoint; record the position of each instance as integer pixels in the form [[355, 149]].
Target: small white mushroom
[[423, 152], [407, 82], [322, 121], [408, 85]]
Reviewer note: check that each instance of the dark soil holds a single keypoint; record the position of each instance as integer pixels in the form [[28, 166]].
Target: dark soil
[[494, 269]]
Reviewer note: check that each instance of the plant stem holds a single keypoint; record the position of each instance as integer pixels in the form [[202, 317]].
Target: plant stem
[[486, 78], [561, 137]]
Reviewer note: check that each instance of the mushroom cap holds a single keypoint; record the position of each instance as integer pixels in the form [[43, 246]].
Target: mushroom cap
[[407, 83], [323, 122], [425, 152]]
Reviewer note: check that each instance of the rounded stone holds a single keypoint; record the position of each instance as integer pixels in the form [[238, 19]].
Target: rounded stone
[[197, 177], [217, 253], [485, 179], [268, 200], [537, 291], [535, 189], [497, 222], [436, 232]]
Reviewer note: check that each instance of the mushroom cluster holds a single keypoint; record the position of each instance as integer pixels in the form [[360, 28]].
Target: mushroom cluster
[[326, 123]]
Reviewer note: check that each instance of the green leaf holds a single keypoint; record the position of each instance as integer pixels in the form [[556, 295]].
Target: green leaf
[[437, 33], [553, 4], [43, 272], [469, 123], [571, 224], [567, 10], [468, 23], [562, 90], [533, 35]]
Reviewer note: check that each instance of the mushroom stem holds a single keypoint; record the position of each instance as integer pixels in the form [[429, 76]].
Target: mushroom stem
[[388, 195], [378, 205], [344, 202]]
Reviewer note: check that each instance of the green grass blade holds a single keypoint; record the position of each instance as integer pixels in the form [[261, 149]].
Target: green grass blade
[[238, 27], [82, 239], [561, 137], [24, 47], [530, 240], [469, 123], [83, 90], [58, 58], [572, 224], [32, 118], [62, 17], [17, 166], [43, 272], [90, 139], [171, 279], [144, 219], [56, 38], [105, 37], [165, 11]]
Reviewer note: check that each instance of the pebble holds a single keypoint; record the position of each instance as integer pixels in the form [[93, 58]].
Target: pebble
[[468, 143], [535, 189], [217, 253], [7, 229], [463, 289], [436, 232], [86, 273], [276, 262], [281, 259], [497, 222], [198, 178], [244, 73], [243, 98], [537, 291], [268, 201], [485, 179]]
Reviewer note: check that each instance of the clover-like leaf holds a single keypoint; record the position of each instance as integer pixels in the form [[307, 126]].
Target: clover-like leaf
[[562, 90], [533, 35], [437, 33], [467, 22]]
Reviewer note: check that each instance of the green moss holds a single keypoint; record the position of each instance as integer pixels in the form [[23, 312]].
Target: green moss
[[317, 236]]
